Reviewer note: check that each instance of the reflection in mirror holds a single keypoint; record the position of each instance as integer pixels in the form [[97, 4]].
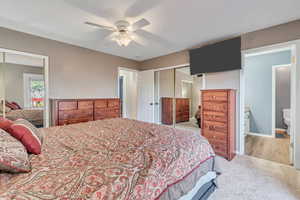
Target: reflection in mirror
[[163, 96], [187, 98], [24, 88]]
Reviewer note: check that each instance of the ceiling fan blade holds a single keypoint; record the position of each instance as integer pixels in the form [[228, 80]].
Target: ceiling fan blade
[[101, 26], [162, 42], [139, 40], [140, 24]]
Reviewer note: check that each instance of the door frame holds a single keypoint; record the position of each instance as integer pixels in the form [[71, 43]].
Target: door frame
[[274, 95], [264, 50], [46, 77]]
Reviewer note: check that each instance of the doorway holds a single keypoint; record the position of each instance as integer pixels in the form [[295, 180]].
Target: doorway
[[127, 87], [267, 90]]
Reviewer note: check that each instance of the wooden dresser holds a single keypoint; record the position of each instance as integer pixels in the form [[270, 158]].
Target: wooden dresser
[[182, 110], [71, 111], [218, 120]]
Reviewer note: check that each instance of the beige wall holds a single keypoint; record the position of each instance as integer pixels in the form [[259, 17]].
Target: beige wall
[[75, 72], [14, 84], [276, 34]]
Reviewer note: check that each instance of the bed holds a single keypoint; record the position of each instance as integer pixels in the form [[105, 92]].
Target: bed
[[116, 159], [35, 116]]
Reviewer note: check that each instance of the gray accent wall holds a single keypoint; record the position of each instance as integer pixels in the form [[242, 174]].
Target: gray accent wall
[[283, 94], [258, 88]]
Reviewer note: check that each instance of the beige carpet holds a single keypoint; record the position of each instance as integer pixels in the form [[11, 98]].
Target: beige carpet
[[249, 178]]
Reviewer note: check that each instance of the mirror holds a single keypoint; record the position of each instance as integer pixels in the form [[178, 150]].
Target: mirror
[[163, 97], [187, 98], [23, 88]]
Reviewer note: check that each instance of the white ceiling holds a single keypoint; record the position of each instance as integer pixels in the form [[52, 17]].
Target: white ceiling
[[175, 24]]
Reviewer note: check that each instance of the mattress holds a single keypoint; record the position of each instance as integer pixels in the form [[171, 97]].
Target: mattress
[[113, 159]]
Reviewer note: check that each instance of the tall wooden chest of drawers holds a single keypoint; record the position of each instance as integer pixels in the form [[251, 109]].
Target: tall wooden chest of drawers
[[218, 120]]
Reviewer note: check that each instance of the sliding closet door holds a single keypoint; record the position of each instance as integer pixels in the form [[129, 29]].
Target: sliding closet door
[[187, 100], [166, 92]]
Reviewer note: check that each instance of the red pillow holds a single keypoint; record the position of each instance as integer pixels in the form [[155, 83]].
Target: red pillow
[[5, 124], [10, 105], [16, 105], [28, 134]]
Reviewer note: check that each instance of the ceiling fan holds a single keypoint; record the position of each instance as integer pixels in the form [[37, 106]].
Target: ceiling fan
[[122, 31]]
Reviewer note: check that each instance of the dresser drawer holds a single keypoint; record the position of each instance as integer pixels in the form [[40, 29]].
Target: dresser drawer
[[73, 121], [75, 114], [220, 149], [113, 103], [101, 103], [100, 114], [215, 106], [107, 113], [216, 136], [215, 96], [67, 105], [214, 127], [85, 104], [112, 115], [215, 116]]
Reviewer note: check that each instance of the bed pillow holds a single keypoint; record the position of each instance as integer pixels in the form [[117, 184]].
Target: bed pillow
[[13, 155], [10, 105], [28, 134], [5, 124], [16, 105]]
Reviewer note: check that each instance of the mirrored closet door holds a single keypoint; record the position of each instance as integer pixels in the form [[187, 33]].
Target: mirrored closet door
[[22, 88], [164, 83], [187, 99]]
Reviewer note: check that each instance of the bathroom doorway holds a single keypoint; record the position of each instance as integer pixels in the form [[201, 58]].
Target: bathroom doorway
[[267, 105]]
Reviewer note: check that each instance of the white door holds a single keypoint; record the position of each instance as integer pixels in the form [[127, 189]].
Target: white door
[[146, 96]]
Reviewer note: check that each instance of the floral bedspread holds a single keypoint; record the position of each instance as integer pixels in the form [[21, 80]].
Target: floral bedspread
[[109, 159]]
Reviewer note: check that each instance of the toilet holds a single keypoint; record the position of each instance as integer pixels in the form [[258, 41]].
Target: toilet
[[287, 118]]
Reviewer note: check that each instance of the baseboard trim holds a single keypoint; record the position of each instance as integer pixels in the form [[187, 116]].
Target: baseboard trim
[[257, 134]]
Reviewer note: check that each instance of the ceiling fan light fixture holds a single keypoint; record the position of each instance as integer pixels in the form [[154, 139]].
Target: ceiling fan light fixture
[[123, 38]]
